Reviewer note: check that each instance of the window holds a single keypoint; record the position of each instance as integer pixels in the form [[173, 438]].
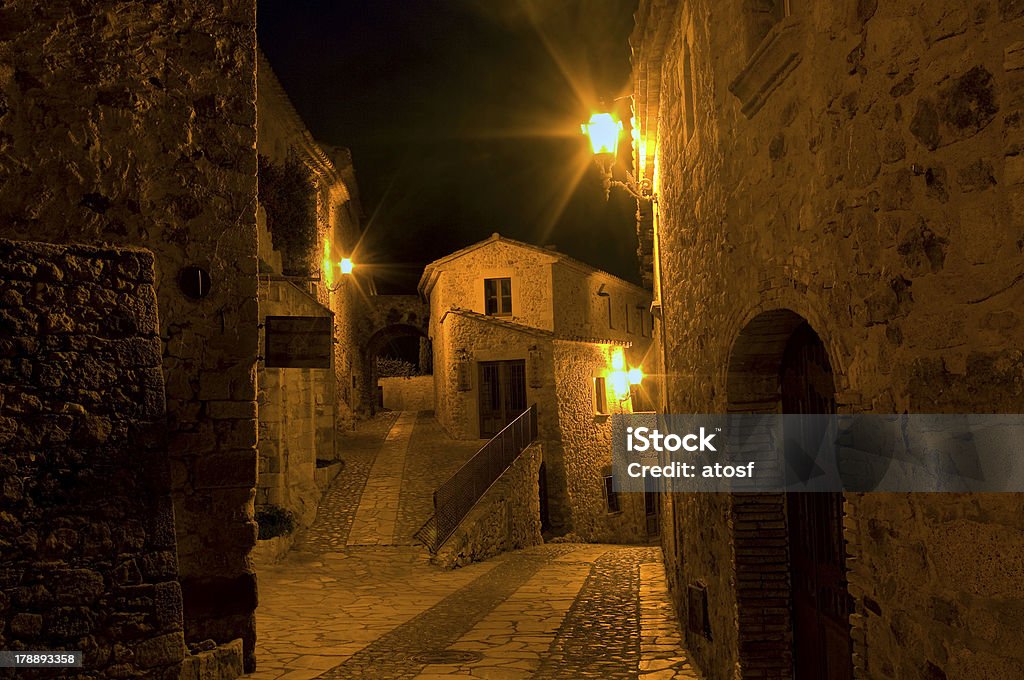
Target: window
[[600, 397], [625, 306], [643, 320], [687, 85], [498, 297], [610, 496]]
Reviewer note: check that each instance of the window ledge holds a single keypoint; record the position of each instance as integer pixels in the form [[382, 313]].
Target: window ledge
[[774, 59]]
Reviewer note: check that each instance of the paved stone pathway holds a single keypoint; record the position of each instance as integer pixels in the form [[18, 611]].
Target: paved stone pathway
[[377, 514], [337, 511], [336, 609], [431, 459], [555, 611]]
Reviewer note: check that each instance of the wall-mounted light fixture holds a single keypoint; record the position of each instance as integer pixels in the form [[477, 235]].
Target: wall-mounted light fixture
[[604, 130], [620, 378], [346, 266]]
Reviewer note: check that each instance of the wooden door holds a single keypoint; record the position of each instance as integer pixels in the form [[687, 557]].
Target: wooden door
[[820, 598], [502, 394]]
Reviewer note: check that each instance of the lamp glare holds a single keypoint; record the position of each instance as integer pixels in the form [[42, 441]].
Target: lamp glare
[[603, 131]]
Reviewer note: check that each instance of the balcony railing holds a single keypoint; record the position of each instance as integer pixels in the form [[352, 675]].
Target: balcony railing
[[456, 497]]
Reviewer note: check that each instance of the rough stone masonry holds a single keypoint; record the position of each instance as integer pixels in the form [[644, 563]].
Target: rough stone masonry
[[135, 124], [856, 166], [87, 545]]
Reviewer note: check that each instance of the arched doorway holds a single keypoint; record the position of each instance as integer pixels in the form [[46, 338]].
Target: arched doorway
[[401, 342], [789, 548], [817, 553]]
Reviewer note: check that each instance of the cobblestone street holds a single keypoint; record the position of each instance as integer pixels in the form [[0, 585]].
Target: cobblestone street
[[349, 603]]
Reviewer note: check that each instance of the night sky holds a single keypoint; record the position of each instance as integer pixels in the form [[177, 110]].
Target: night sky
[[463, 119]]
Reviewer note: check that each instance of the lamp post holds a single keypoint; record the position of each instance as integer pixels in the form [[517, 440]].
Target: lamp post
[[604, 130]]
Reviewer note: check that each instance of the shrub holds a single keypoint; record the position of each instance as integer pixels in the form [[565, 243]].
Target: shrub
[[274, 521]]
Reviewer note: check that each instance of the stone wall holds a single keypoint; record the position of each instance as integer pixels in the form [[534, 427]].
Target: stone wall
[[595, 304], [585, 446], [408, 394], [135, 123], [462, 340], [507, 516], [387, 318], [529, 269], [87, 544], [860, 165], [296, 415], [282, 136]]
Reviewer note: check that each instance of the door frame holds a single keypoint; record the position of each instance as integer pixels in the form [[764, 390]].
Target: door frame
[[505, 380], [760, 533]]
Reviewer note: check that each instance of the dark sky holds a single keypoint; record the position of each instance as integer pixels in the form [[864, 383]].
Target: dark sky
[[463, 119]]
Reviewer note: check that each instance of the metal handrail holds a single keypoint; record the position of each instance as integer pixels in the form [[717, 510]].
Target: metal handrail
[[456, 497]]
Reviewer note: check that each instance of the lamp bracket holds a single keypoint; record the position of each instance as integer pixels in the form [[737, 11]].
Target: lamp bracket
[[641, 191]]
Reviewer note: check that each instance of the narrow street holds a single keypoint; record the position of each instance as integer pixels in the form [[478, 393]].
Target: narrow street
[[357, 599]]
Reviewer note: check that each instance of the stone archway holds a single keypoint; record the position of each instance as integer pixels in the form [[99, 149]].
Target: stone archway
[[387, 318], [779, 364], [377, 342]]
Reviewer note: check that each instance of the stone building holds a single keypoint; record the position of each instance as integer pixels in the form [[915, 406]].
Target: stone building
[[139, 157], [512, 324], [839, 225], [134, 125], [307, 221]]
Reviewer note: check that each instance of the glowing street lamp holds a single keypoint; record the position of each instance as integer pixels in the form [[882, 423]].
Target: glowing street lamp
[[635, 375], [346, 265], [603, 130]]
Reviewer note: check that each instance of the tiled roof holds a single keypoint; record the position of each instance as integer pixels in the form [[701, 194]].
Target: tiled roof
[[497, 321], [540, 332]]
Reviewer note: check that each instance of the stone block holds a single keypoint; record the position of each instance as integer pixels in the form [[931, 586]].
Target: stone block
[[214, 386], [224, 662], [231, 410], [237, 434], [227, 469], [26, 626], [164, 650], [1013, 56], [77, 586]]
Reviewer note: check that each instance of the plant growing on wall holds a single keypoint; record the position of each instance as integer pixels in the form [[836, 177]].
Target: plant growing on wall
[[288, 196]]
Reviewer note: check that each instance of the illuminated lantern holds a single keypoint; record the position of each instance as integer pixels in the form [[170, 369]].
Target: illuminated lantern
[[603, 131]]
